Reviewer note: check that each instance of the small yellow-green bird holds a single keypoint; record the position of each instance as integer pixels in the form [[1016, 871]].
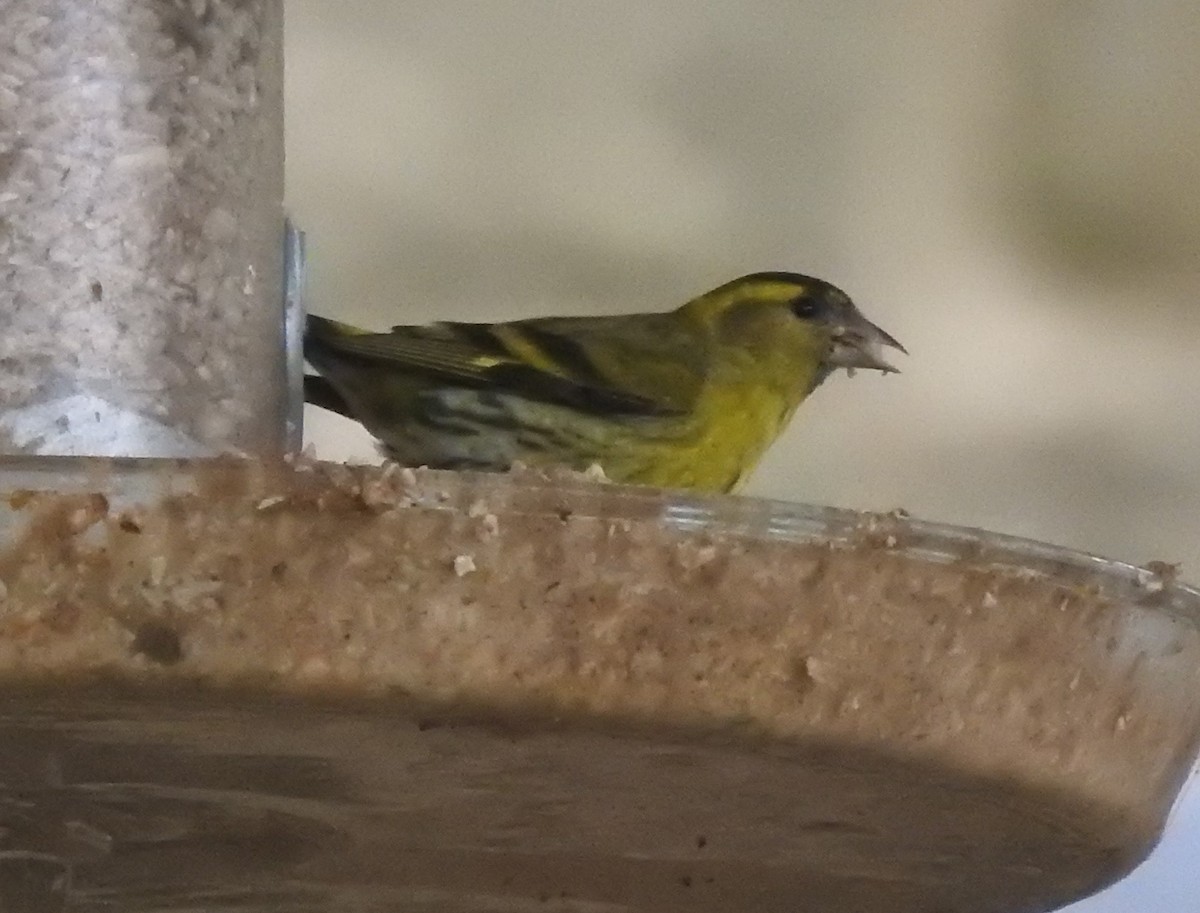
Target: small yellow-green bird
[[689, 398]]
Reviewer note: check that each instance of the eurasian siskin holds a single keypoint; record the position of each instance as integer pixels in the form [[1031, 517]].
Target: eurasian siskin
[[690, 398]]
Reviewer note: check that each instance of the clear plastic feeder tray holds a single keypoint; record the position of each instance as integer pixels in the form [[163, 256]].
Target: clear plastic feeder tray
[[324, 689]]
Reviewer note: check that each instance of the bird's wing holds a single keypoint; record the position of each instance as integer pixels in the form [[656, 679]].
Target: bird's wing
[[629, 365], [657, 358]]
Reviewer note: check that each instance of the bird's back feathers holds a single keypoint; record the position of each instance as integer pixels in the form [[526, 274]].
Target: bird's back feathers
[[581, 362]]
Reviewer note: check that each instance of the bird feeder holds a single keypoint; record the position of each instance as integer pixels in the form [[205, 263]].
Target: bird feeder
[[235, 678], [141, 188]]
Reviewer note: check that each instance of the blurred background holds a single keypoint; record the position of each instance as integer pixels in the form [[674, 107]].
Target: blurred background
[[1010, 187]]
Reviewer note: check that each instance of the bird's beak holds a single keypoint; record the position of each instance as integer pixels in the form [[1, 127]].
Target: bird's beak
[[858, 343]]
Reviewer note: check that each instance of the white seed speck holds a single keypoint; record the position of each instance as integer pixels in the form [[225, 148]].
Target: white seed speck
[[818, 670], [158, 569], [595, 473], [491, 525]]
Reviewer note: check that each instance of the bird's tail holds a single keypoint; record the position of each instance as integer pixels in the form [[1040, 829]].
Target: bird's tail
[[322, 394], [320, 333], [318, 328]]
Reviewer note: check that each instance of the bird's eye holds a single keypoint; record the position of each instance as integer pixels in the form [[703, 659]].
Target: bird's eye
[[804, 306]]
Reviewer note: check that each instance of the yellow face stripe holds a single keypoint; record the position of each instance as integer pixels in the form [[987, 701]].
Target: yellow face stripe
[[709, 306], [775, 291]]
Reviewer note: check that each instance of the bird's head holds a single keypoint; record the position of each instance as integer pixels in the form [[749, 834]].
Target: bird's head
[[795, 319]]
